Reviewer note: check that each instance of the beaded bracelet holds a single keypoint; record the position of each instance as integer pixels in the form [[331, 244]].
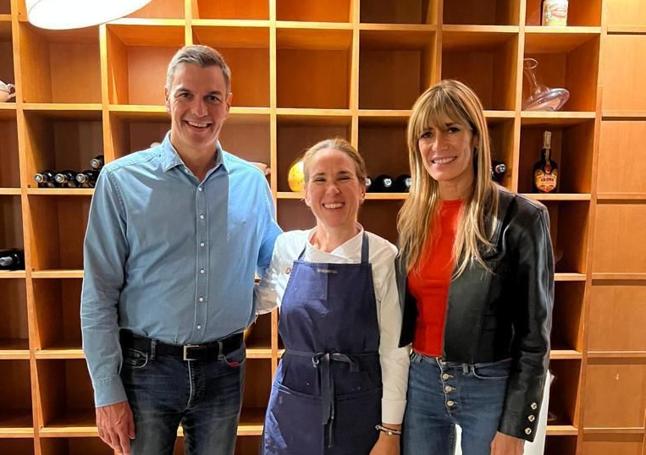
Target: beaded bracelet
[[388, 431]]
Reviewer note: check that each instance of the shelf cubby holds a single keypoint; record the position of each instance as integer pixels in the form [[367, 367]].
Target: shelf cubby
[[74, 446], [314, 10], [485, 61], [247, 136], [313, 68], [394, 67], [567, 316], [297, 133], [133, 131], [57, 309], [15, 397], [564, 392], [66, 396], [580, 13], [138, 57], [617, 317], [501, 139], [14, 332], [17, 446], [560, 445], [7, 74], [5, 6], [246, 51], [231, 9], [60, 140], [399, 12], [61, 66], [569, 233], [258, 335], [161, 9], [58, 225], [478, 12], [9, 171], [256, 393], [572, 150], [10, 222], [382, 143], [564, 61], [617, 386]]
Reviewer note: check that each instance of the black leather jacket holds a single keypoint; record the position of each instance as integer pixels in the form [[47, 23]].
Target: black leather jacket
[[507, 313]]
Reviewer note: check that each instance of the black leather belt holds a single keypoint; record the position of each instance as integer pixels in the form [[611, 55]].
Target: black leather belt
[[206, 351]]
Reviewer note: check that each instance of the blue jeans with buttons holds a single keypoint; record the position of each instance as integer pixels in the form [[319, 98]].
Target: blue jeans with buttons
[[203, 396], [442, 395]]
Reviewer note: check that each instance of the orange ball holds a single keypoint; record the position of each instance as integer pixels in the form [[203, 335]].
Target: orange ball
[[296, 177]]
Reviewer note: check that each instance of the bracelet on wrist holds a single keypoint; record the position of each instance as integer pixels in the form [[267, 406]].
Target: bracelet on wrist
[[388, 431]]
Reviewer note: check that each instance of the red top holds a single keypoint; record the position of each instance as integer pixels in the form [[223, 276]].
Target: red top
[[429, 281]]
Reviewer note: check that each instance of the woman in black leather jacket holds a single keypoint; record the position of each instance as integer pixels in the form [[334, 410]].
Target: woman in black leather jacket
[[476, 277]]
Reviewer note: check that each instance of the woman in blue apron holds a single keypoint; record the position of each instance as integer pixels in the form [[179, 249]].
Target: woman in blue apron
[[341, 384]]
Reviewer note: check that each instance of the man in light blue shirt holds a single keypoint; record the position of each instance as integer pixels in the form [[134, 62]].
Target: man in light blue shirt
[[175, 235]]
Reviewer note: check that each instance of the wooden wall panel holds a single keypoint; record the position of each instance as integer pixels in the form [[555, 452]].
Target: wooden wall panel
[[622, 157], [622, 73], [620, 238]]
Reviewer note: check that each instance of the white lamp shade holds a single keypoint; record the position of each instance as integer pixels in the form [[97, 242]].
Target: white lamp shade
[[66, 14]]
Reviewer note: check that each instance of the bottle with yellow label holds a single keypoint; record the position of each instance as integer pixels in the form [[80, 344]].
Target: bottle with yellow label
[[546, 172]]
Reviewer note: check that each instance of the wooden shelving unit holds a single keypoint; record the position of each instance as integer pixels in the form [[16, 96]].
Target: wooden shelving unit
[[304, 70]]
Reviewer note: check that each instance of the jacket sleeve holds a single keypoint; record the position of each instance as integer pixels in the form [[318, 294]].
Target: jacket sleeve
[[532, 320]]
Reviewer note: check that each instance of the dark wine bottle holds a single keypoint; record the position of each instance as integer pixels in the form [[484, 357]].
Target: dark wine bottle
[[87, 178], [402, 184], [66, 179], [45, 179], [498, 170], [368, 183], [97, 162], [12, 259], [382, 184]]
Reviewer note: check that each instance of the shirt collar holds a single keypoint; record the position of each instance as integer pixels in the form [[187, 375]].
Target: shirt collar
[[170, 158]]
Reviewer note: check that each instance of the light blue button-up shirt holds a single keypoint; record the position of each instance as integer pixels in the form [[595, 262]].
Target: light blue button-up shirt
[[170, 257]]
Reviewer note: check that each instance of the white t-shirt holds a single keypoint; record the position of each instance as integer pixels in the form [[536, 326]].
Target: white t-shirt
[[394, 360]]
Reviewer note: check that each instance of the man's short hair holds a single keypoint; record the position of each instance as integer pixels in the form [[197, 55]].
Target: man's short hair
[[202, 56]]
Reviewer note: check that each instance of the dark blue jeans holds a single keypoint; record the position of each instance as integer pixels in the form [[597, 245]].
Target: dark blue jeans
[[444, 394], [203, 396]]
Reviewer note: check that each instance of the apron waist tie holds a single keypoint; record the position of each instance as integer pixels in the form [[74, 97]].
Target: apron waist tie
[[322, 361]]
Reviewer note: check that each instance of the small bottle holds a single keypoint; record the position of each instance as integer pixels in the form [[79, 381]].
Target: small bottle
[[498, 170], [368, 183], [12, 259], [97, 162], [402, 184], [546, 172], [382, 184], [555, 12], [45, 179], [87, 178], [66, 179]]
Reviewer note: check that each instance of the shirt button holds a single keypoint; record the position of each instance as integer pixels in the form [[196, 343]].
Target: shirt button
[[446, 376], [201, 216], [201, 299], [202, 244], [528, 431], [202, 271], [450, 403], [199, 188], [199, 327]]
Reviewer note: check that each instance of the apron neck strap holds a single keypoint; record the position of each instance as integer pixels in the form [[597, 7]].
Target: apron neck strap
[[365, 250]]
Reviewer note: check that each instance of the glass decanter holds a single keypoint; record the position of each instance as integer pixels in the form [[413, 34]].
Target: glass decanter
[[541, 97]]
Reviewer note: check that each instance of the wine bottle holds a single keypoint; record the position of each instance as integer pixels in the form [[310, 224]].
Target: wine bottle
[[66, 179], [87, 178], [498, 170], [402, 184], [12, 259], [45, 179], [97, 162], [382, 184], [546, 173], [368, 183]]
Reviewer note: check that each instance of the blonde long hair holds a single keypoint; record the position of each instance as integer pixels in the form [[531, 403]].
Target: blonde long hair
[[452, 99]]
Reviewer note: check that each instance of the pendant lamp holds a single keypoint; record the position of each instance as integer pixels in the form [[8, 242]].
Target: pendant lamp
[[66, 14]]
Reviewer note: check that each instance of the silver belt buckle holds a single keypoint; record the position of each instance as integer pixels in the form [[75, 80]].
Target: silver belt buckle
[[185, 349]]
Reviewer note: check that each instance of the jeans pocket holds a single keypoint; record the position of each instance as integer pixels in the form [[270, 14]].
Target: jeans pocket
[[492, 371], [135, 359], [235, 358]]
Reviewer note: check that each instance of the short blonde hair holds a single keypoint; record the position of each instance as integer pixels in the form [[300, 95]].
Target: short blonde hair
[[342, 146]]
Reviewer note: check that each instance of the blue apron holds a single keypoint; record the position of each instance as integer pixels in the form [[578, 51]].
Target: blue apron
[[326, 395]]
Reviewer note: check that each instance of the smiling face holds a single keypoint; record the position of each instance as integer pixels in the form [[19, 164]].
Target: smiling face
[[333, 190], [198, 102], [446, 149]]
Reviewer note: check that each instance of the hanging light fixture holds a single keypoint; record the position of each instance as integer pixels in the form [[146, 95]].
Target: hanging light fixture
[[66, 14]]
